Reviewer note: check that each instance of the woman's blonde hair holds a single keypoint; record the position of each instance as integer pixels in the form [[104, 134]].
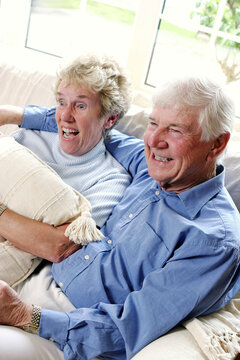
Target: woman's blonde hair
[[103, 75]]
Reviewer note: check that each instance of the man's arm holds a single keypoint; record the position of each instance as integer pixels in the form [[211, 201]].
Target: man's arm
[[35, 237], [128, 151], [30, 117], [10, 114], [39, 118], [189, 285], [183, 289]]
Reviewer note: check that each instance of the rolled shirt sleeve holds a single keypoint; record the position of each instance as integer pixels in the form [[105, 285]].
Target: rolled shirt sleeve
[[39, 118]]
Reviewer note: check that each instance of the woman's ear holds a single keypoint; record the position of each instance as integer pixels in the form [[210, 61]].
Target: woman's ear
[[110, 121], [218, 145]]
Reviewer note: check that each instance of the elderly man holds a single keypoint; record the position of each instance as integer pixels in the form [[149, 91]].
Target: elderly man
[[171, 246]]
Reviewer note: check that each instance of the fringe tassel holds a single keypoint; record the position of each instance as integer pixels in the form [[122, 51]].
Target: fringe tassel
[[83, 230], [216, 335], [224, 347]]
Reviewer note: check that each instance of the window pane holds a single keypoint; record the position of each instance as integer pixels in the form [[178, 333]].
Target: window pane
[[180, 51], [71, 27], [190, 42], [228, 58]]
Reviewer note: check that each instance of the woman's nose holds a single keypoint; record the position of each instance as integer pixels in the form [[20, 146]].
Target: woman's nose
[[67, 114]]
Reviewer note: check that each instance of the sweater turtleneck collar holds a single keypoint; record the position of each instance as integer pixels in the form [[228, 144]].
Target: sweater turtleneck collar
[[63, 158]]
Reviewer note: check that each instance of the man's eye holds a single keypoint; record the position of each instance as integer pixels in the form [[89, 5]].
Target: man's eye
[[175, 130], [152, 123]]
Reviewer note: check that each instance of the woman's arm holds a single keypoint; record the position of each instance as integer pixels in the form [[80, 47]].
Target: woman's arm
[[35, 237], [10, 114]]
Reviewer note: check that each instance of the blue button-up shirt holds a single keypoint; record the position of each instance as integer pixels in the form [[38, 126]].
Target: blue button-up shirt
[[165, 258]]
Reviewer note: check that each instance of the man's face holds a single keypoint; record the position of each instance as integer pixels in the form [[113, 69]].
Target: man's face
[[78, 118], [176, 157]]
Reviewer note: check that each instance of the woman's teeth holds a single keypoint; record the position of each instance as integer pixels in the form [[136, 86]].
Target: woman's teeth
[[69, 133]]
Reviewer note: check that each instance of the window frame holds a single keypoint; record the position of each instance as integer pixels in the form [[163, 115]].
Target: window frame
[[14, 32]]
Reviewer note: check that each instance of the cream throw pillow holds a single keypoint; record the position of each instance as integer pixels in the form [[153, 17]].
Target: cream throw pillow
[[31, 188]]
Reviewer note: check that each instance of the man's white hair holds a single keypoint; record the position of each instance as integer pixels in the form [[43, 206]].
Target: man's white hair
[[199, 94]]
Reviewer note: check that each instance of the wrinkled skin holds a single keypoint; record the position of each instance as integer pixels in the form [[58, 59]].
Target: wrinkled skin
[[13, 311]]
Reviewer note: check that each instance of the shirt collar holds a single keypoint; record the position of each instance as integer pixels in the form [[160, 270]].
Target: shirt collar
[[195, 198]]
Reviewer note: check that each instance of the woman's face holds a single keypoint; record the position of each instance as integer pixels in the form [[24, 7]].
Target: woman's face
[[78, 119]]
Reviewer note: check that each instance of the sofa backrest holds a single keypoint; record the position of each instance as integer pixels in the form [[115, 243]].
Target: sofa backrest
[[22, 85]]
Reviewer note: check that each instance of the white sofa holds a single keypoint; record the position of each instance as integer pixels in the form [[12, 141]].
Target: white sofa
[[21, 83]]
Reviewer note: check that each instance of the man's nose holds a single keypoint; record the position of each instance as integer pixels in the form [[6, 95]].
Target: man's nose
[[157, 139]]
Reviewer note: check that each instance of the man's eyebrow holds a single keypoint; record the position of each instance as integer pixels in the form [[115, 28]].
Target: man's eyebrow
[[178, 125], [151, 118]]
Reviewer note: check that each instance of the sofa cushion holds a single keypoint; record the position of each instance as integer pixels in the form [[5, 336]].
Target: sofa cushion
[[31, 188]]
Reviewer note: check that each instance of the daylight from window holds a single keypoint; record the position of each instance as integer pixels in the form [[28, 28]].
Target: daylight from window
[[154, 39]]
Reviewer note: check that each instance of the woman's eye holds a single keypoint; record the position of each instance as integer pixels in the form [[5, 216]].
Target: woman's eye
[[80, 106], [60, 102]]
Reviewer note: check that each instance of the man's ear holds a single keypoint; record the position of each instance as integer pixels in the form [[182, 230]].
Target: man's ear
[[219, 145], [110, 121]]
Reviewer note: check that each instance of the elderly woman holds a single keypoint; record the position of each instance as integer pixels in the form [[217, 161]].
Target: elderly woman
[[92, 94]]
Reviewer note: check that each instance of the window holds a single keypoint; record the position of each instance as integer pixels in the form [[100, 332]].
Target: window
[[76, 26], [152, 38], [197, 36]]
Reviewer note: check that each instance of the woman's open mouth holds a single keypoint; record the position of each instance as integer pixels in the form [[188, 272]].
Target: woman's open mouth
[[69, 133]]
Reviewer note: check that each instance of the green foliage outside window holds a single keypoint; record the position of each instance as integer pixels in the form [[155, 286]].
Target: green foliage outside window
[[98, 8], [207, 10]]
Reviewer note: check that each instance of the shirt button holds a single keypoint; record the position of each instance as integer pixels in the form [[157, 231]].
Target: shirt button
[[51, 339], [60, 284], [157, 192], [86, 257], [130, 216], [109, 242]]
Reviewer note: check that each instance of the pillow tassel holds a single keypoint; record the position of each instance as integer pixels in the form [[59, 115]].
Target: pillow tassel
[[83, 230]]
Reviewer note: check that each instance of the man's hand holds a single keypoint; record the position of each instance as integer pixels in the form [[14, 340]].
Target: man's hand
[[10, 114], [13, 311]]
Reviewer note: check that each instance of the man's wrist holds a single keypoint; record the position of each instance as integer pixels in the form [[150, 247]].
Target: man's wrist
[[33, 326], [2, 208]]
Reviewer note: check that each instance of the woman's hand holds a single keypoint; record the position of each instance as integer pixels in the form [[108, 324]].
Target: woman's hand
[[13, 311], [65, 247]]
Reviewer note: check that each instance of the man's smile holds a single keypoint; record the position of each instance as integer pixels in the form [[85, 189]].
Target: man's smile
[[160, 158]]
